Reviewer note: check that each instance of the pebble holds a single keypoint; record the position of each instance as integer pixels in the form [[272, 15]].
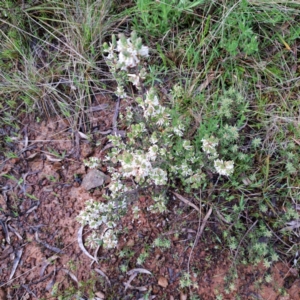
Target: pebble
[[94, 179]]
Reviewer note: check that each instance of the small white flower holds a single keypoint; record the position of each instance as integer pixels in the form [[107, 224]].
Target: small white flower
[[178, 130], [209, 147], [187, 145], [152, 152], [109, 239], [135, 79], [120, 92], [159, 176], [129, 114], [185, 169], [225, 168], [153, 139], [144, 51], [163, 152]]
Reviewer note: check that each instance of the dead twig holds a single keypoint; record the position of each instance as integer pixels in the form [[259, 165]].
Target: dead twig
[[181, 198], [199, 233]]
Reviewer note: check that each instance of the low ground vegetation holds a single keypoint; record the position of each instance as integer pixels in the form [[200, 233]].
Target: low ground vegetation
[[204, 107]]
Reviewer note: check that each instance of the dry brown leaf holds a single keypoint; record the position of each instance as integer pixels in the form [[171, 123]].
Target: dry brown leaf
[[162, 281]]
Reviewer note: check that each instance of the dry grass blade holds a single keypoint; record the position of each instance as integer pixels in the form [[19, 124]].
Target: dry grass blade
[[31, 209], [54, 249], [53, 159], [133, 273], [15, 232], [51, 283], [83, 136], [203, 225], [15, 264], [292, 225], [104, 275], [186, 201], [97, 108], [115, 117], [25, 286], [4, 226], [45, 264], [208, 80], [221, 217], [240, 243], [139, 288], [139, 270], [127, 284], [81, 246], [72, 276]]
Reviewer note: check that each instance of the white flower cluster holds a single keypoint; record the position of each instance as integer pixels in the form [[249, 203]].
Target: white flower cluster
[[92, 162], [138, 165], [129, 50], [109, 239], [153, 110], [178, 130], [225, 168], [96, 214], [209, 145]]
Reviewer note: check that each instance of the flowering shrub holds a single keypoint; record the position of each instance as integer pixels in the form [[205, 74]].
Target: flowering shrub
[[95, 215], [155, 152]]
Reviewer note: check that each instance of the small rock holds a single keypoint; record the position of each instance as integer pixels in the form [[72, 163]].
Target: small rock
[[162, 281], [94, 179], [100, 295]]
